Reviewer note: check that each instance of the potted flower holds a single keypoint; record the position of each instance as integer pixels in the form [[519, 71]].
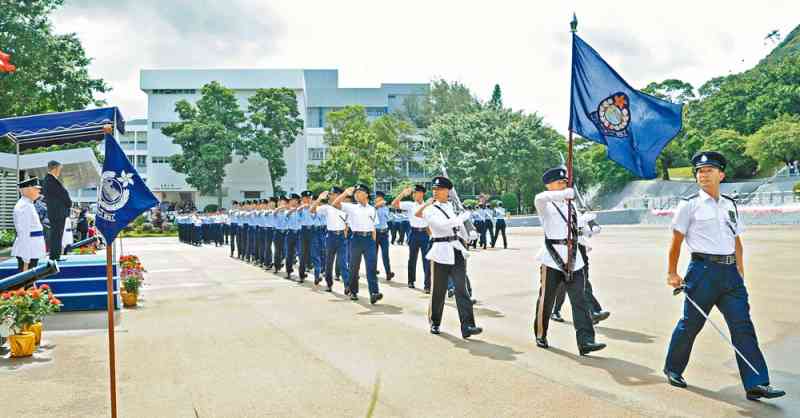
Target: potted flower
[[131, 282], [43, 303], [16, 313]]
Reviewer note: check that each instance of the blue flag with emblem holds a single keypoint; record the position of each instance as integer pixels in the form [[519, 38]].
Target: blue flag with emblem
[[122, 195], [635, 126]]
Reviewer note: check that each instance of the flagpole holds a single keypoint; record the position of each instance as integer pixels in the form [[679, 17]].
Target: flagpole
[[112, 362], [571, 216]]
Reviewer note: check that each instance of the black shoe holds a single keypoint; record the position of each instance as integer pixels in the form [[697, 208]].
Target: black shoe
[[389, 276], [338, 278], [353, 296], [600, 316], [435, 329], [411, 285], [555, 316], [675, 379], [450, 293], [542, 342], [427, 290], [470, 331], [764, 391], [346, 291], [474, 301], [329, 289], [588, 348], [316, 281], [375, 297]]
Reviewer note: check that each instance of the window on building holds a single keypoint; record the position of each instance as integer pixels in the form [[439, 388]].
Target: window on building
[[131, 158], [141, 144], [159, 160], [316, 154], [376, 111], [159, 125], [174, 91], [141, 162], [252, 195]]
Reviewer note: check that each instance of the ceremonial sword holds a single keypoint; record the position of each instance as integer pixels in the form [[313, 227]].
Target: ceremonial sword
[[678, 291]]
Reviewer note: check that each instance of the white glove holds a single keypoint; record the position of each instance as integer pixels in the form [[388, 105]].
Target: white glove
[[569, 193]]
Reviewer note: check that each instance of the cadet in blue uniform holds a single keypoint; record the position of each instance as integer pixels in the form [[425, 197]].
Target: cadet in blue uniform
[[269, 236], [709, 222], [335, 241], [500, 224], [306, 231], [318, 245], [279, 239], [293, 228], [382, 232], [419, 239], [362, 219]]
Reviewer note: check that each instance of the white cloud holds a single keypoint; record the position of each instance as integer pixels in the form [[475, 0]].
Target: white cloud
[[524, 46]]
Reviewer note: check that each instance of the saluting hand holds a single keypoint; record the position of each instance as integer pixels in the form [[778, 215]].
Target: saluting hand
[[429, 201], [407, 191], [349, 191], [323, 195]]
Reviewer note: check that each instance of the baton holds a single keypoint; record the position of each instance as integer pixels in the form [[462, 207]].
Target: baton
[[722, 335]]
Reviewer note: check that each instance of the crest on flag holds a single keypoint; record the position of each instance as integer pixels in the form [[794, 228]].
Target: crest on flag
[[114, 193], [613, 115]]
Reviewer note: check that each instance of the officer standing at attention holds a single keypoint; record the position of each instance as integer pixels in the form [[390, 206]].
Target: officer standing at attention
[[362, 218], [710, 224], [29, 245], [336, 242], [500, 224], [382, 232], [419, 240], [552, 208], [448, 255]]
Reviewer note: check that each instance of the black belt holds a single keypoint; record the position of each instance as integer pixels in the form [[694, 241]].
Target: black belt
[[555, 241], [362, 234], [382, 230], [444, 239], [306, 226], [714, 258], [318, 228], [419, 229], [341, 232], [37, 234]]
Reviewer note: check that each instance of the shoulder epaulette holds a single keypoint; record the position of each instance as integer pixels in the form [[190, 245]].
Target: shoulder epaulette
[[690, 197]]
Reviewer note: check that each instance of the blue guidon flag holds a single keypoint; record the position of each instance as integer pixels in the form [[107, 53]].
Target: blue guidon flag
[[122, 194], [635, 126]]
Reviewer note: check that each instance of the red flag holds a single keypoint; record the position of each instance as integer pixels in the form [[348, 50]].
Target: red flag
[[5, 63]]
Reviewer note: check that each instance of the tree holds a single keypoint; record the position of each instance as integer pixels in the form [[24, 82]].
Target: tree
[[497, 97], [52, 74], [444, 98], [594, 168], [209, 133], [732, 145], [274, 124], [776, 142], [359, 150]]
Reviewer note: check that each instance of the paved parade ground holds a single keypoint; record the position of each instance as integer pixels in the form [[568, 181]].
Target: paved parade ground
[[215, 337]]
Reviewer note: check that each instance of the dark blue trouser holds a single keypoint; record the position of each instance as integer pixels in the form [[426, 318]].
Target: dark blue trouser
[[306, 239], [711, 284], [269, 233], [364, 246], [292, 235], [258, 250], [336, 248], [234, 234], [405, 228], [383, 245], [317, 247], [418, 242], [279, 239]]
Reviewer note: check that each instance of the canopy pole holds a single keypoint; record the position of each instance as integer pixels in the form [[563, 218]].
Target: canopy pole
[[112, 366]]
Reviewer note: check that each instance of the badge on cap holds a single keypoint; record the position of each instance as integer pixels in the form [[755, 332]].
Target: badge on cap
[[704, 158]]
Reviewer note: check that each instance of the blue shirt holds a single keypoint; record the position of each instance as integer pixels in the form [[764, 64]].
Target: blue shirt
[[383, 217], [280, 220], [304, 217], [293, 221]]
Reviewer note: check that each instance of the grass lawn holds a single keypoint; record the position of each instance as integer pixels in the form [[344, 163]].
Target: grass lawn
[[680, 173]]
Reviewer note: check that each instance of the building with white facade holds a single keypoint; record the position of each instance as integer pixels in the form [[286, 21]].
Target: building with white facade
[[318, 93]]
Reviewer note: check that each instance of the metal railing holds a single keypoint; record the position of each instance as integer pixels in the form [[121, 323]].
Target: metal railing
[[751, 199]]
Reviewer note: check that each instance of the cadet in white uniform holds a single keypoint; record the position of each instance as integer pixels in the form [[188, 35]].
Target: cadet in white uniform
[[29, 245], [448, 256], [418, 239]]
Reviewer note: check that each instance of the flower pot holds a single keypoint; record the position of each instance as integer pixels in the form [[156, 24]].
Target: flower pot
[[129, 299], [36, 329], [22, 345]]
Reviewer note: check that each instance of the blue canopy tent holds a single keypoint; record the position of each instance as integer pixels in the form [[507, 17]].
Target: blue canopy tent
[[61, 128]]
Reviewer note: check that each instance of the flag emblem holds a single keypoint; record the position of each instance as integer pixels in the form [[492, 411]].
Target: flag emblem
[[613, 115], [115, 193]]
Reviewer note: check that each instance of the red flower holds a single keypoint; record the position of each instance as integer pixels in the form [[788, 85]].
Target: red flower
[[35, 293], [44, 287], [6, 296], [20, 292], [57, 301]]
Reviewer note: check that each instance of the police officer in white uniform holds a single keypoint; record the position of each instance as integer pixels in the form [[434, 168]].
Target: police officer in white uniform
[[553, 210], [29, 245], [448, 256], [709, 222]]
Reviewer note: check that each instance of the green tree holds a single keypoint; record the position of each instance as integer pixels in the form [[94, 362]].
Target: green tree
[[776, 142], [52, 69], [209, 134], [672, 90], [594, 168], [497, 97], [359, 150], [444, 98], [732, 145], [274, 124]]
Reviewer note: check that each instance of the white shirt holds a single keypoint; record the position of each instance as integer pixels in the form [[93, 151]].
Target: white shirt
[[26, 220], [410, 209], [554, 226], [361, 218], [499, 213], [441, 226], [710, 226], [335, 219]]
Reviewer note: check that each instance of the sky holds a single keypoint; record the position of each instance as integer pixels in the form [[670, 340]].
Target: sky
[[524, 46]]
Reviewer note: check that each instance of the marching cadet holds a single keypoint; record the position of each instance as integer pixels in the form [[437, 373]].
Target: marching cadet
[[362, 218], [318, 244], [552, 208], [488, 218], [234, 221], [269, 236], [709, 222], [244, 215], [403, 226], [419, 240], [500, 224], [481, 216], [448, 256], [293, 229], [392, 221], [306, 232], [335, 241], [279, 239], [226, 226], [29, 245], [382, 232]]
